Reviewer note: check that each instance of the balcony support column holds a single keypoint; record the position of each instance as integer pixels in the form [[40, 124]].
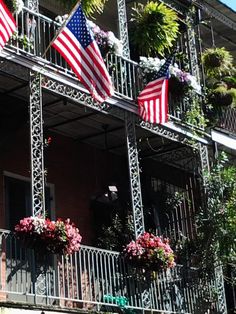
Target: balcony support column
[[191, 34], [123, 27], [219, 281], [135, 186], [204, 160], [134, 172], [37, 146]]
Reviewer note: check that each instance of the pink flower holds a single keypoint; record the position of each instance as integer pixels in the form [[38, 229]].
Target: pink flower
[[151, 250]]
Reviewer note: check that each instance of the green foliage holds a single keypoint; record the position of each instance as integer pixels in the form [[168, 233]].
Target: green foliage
[[221, 96], [155, 28], [194, 115], [217, 223], [89, 6], [217, 62], [118, 234]]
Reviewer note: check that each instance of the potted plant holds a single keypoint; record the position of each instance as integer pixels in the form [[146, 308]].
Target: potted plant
[[58, 237], [155, 28], [150, 252], [217, 62]]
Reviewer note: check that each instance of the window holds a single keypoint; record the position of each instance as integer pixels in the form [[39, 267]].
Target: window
[[18, 199]]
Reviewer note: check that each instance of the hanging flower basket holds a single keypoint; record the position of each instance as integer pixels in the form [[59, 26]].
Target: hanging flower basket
[[149, 252], [217, 61], [44, 235], [220, 96]]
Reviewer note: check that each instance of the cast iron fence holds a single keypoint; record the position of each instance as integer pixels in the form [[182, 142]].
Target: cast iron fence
[[96, 279]]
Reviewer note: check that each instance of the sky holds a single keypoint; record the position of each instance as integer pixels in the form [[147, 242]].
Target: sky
[[230, 3]]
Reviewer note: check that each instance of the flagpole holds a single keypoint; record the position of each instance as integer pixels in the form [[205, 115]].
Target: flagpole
[[61, 27]]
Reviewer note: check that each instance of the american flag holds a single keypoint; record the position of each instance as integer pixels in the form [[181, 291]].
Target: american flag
[[7, 24], [153, 100], [78, 47]]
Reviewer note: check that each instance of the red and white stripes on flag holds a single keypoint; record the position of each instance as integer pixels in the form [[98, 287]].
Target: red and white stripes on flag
[[153, 101], [7, 24], [78, 47]]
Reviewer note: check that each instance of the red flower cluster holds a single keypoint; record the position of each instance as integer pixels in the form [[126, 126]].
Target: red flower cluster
[[60, 237], [150, 251]]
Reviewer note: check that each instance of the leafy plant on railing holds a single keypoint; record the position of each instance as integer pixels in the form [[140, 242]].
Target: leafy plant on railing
[[59, 237], [216, 224], [117, 234], [23, 41]]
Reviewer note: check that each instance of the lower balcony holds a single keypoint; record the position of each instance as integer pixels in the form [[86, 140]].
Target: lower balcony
[[97, 280]]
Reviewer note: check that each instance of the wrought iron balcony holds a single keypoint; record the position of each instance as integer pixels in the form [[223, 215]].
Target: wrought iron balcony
[[34, 34], [96, 279]]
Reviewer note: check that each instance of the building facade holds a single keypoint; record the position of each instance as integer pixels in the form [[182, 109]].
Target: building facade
[[65, 155]]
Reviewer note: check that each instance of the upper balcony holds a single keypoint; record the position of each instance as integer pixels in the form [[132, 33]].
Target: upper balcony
[[36, 31], [32, 43]]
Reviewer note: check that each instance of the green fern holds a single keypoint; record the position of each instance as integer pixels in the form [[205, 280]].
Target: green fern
[[155, 28], [217, 62]]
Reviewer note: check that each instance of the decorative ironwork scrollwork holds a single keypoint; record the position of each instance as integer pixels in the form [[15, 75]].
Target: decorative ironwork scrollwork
[[37, 145], [161, 131], [219, 282], [73, 94], [123, 27], [134, 175]]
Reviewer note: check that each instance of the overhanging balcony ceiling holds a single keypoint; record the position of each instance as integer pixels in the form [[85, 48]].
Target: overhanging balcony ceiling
[[78, 122]]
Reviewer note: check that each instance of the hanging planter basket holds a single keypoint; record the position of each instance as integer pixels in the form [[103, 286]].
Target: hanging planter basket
[[46, 236], [149, 252], [217, 62], [155, 28], [220, 97]]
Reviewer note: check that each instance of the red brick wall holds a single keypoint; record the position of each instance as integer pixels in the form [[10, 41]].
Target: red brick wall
[[77, 170]]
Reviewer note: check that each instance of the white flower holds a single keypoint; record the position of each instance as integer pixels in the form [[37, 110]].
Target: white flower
[[39, 224], [114, 43], [61, 19], [150, 65]]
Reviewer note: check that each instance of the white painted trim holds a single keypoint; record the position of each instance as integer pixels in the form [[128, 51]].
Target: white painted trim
[[223, 139]]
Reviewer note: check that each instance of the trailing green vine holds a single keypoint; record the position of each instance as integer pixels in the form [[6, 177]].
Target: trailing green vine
[[216, 223]]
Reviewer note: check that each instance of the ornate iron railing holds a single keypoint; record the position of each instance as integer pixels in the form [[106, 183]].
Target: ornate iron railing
[[96, 279]]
